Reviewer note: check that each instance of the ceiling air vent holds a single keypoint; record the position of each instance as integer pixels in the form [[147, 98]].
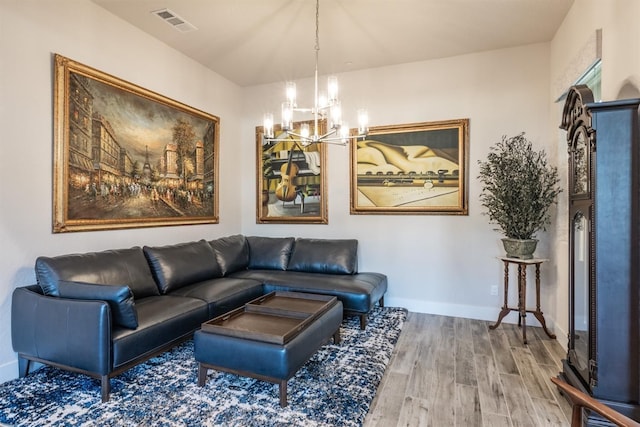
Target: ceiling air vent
[[174, 20]]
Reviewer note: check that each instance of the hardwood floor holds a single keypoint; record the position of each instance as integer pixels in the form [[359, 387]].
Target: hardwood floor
[[449, 371]]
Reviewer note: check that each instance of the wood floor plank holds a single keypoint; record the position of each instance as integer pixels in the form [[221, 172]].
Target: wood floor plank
[[441, 398], [502, 352], [549, 413], [539, 351], [519, 402], [467, 410], [556, 350], [531, 374], [480, 337], [494, 420], [462, 328], [464, 362], [387, 410], [489, 386], [407, 353], [415, 413], [421, 379], [514, 334], [549, 371]]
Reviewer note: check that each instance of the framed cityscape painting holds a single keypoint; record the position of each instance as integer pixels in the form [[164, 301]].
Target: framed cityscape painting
[[418, 168], [127, 157], [291, 179]]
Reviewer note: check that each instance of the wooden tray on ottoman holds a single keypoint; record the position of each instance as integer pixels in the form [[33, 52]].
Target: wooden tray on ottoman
[[276, 317]]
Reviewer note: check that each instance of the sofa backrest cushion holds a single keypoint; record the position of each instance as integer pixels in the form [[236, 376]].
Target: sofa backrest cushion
[[269, 253], [176, 266], [337, 256], [119, 298], [232, 253], [115, 267]]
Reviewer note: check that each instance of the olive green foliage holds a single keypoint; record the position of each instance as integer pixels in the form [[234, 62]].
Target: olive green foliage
[[519, 187]]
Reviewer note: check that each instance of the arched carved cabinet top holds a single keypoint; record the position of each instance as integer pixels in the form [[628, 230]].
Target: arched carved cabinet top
[[575, 116], [576, 120]]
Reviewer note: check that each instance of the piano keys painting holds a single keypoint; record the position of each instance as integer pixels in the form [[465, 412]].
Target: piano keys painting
[[418, 168]]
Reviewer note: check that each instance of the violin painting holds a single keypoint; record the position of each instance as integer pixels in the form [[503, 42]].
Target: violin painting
[[286, 189], [291, 185]]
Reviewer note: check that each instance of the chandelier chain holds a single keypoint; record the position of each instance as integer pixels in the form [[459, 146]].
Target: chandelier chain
[[317, 26]]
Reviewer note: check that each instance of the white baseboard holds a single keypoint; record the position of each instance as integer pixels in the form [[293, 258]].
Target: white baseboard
[[459, 310], [9, 371]]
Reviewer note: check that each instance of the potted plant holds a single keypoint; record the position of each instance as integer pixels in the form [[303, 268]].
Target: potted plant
[[519, 187]]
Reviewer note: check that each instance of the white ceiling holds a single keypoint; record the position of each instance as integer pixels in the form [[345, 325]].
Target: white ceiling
[[262, 41]]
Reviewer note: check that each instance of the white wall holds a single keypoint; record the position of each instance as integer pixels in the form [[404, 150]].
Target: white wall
[[30, 32], [435, 263]]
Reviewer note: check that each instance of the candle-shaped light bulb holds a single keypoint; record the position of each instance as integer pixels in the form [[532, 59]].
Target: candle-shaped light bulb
[[268, 125], [304, 130], [344, 132], [335, 115], [291, 93], [332, 89], [363, 122], [287, 116]]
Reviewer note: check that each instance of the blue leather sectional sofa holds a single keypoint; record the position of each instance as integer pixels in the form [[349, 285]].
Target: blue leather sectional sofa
[[101, 313]]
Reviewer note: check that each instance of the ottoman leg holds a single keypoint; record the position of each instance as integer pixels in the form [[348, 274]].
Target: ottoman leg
[[283, 393], [336, 336], [202, 375]]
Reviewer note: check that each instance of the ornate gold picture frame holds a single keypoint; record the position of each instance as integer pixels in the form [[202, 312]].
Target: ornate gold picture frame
[[127, 157], [291, 180], [418, 168]]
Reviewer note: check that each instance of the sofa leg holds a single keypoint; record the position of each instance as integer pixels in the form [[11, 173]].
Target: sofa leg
[[363, 321], [23, 366], [106, 387], [381, 301]]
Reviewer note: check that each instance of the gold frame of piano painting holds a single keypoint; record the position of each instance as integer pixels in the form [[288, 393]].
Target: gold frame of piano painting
[[417, 168], [291, 183]]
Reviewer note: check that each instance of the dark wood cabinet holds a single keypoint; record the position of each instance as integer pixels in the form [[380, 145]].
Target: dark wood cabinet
[[604, 251]]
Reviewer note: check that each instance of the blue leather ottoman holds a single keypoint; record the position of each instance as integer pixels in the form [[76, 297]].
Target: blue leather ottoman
[[264, 360]]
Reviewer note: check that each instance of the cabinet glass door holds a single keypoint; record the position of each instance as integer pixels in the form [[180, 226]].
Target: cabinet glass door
[[579, 335]]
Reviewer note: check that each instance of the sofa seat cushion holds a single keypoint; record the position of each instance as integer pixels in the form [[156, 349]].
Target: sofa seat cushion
[[120, 299], [179, 265], [358, 292], [232, 253], [335, 256], [223, 295], [161, 320], [116, 267]]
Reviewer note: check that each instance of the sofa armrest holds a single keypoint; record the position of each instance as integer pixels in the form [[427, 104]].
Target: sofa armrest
[[68, 332]]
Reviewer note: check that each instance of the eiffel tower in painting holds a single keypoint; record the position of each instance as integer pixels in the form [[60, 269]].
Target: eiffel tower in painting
[[146, 169]]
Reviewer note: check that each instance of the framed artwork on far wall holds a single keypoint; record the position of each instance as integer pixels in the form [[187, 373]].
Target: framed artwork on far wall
[[418, 168], [291, 179], [127, 157]]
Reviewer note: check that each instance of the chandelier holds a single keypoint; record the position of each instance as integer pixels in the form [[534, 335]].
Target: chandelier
[[325, 108]]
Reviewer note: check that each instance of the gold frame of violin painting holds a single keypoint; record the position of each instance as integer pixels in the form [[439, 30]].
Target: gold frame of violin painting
[[417, 168], [291, 183]]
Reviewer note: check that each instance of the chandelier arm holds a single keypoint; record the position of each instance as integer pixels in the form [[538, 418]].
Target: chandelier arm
[[328, 134]]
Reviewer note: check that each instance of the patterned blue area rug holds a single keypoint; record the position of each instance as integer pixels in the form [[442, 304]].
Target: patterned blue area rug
[[335, 388]]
